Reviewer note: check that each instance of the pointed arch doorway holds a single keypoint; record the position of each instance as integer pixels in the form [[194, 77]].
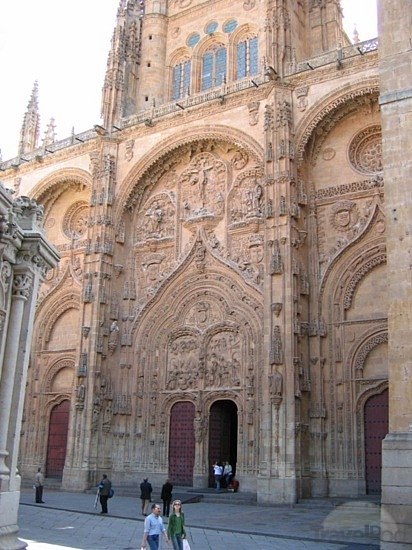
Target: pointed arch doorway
[[376, 424], [57, 440], [222, 435]]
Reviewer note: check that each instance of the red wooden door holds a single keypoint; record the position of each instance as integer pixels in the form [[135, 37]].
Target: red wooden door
[[376, 428], [57, 440], [182, 444]]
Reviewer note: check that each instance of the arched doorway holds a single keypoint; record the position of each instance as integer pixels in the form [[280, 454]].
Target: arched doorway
[[57, 440], [182, 444], [222, 435], [376, 427]]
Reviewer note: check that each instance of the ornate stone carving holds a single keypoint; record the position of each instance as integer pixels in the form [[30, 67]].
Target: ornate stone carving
[[75, 220], [22, 284], [365, 151]]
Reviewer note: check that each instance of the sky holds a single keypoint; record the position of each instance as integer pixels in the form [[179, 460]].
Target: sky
[[64, 46]]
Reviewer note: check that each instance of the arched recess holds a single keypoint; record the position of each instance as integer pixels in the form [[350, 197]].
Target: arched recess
[[346, 341], [48, 190], [198, 337], [223, 435], [156, 163], [322, 116]]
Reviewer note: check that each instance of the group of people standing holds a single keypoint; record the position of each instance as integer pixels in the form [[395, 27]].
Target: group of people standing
[[153, 524], [223, 474]]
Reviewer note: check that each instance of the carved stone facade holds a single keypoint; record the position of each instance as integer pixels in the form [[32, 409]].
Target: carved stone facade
[[226, 247]]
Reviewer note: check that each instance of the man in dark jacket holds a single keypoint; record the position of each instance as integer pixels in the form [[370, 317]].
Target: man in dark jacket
[[166, 496], [104, 490], [145, 495]]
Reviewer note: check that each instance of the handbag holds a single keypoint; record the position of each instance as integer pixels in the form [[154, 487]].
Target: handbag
[[186, 545]]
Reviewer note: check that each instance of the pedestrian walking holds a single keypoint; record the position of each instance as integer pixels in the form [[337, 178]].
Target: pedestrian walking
[[176, 526], [145, 495], [38, 485], [153, 528], [166, 496], [104, 491]]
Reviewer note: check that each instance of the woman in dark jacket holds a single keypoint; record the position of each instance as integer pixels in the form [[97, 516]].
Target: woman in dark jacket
[[176, 526], [166, 496]]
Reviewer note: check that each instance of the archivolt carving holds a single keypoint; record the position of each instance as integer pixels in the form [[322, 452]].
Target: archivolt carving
[[53, 370], [367, 347], [359, 275], [48, 190], [330, 104], [64, 303]]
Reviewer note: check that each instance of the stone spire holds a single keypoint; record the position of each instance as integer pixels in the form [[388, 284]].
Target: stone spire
[[355, 35], [49, 134], [29, 133], [121, 80]]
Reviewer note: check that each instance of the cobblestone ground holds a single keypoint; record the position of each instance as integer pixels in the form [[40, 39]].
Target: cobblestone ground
[[52, 529]]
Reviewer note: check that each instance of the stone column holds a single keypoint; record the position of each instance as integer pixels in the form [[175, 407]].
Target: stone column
[[396, 109], [25, 257]]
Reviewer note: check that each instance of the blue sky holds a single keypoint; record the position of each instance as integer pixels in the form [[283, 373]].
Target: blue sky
[[64, 46]]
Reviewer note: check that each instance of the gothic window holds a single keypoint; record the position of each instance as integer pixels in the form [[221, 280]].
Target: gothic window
[[214, 63], [181, 79], [247, 58]]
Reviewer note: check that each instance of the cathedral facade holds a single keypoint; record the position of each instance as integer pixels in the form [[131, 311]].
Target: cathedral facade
[[222, 288]]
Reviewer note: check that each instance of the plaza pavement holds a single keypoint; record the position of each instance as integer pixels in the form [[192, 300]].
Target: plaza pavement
[[69, 521]]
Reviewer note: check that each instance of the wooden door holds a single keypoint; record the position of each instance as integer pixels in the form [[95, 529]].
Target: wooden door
[[182, 444], [57, 440], [376, 428]]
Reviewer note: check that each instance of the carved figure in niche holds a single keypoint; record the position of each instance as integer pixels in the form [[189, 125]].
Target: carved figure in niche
[[120, 232], [276, 355], [153, 411], [250, 406], [255, 269], [276, 384], [80, 395], [198, 425], [200, 178], [113, 336], [254, 198], [276, 266], [155, 219], [107, 417]]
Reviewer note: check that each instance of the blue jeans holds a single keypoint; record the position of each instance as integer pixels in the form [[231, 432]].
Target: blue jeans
[[217, 479], [177, 542], [153, 541]]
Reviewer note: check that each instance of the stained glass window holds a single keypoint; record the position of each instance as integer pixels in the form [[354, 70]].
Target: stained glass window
[[247, 58], [181, 80], [214, 67]]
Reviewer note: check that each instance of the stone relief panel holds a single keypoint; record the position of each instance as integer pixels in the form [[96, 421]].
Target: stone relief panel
[[204, 185], [157, 220], [246, 199], [183, 363], [223, 360]]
